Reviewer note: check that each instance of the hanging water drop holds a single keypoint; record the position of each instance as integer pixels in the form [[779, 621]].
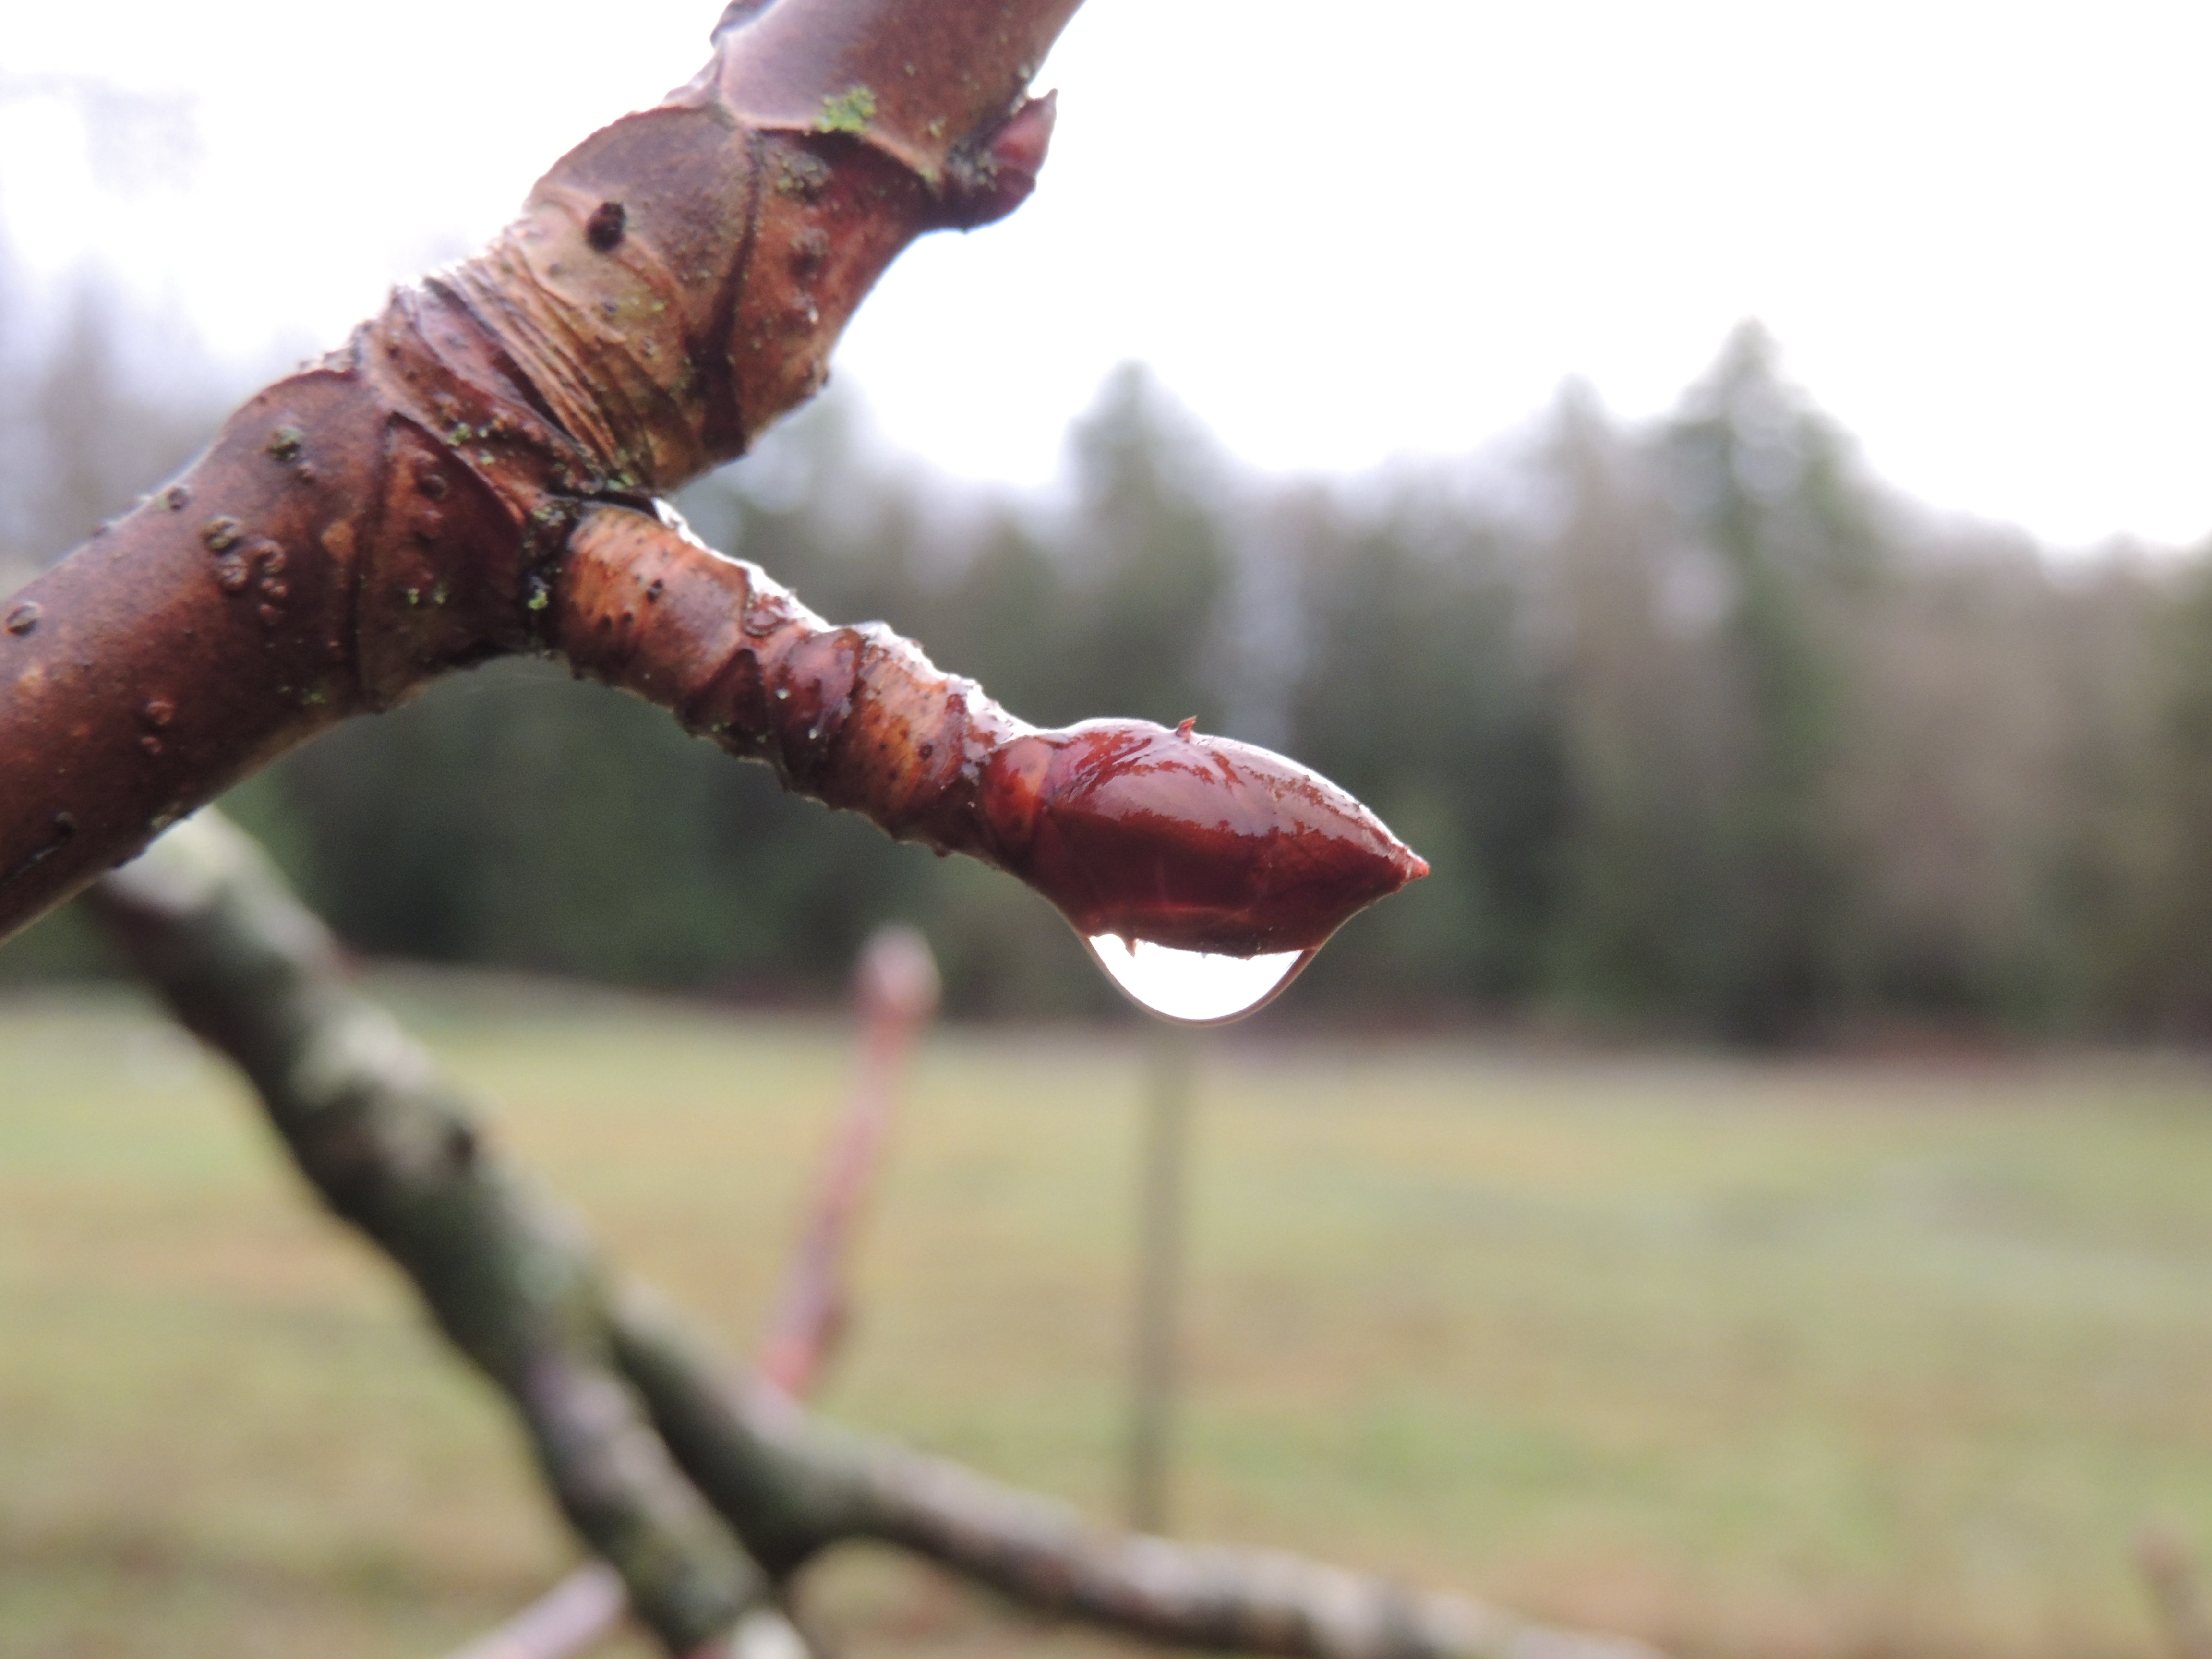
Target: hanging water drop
[[1195, 987]]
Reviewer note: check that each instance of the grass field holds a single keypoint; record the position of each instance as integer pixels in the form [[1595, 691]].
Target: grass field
[[1810, 1361]]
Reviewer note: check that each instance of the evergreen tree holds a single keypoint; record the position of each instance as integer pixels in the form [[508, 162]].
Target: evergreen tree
[[1768, 488]]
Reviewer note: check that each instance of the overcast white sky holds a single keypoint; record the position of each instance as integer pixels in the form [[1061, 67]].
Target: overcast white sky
[[1340, 233]]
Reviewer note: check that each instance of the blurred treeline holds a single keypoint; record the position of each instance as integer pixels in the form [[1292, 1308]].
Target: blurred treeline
[[1701, 729]]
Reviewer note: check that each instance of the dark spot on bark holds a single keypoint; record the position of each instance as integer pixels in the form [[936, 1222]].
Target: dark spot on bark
[[603, 229], [159, 712], [64, 827], [23, 618], [286, 442], [175, 496], [152, 745], [222, 533], [810, 248]]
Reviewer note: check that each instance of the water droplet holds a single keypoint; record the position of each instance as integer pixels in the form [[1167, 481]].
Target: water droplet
[[1195, 987]]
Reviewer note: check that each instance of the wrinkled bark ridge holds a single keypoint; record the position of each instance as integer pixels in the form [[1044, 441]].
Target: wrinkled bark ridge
[[403, 508]]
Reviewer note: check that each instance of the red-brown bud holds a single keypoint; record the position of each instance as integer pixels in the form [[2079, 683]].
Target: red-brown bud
[[1200, 843], [990, 180]]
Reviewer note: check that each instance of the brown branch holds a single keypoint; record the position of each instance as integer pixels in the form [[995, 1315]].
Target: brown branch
[[792, 1487], [445, 488], [521, 1291], [1199, 842], [675, 283]]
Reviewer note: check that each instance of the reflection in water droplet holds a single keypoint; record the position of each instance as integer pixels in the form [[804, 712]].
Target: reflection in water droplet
[[1195, 987]]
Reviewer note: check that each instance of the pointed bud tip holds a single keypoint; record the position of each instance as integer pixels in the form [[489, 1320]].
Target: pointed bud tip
[[1197, 843], [1023, 142]]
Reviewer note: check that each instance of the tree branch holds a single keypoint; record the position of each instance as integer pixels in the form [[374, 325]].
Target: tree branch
[[584, 1354], [896, 988], [511, 1278], [1199, 842], [791, 1486], [674, 284], [463, 480]]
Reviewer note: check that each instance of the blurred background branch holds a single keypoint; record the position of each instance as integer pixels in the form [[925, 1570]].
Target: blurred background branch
[[587, 1359], [895, 987]]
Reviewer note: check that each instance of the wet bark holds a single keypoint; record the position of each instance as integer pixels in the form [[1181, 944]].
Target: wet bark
[[404, 508], [474, 472], [1199, 842]]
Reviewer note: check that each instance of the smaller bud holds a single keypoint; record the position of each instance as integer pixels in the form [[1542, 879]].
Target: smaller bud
[[987, 180]]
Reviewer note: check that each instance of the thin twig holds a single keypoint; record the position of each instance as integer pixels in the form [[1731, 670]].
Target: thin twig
[[896, 988], [510, 1276], [567, 1618]]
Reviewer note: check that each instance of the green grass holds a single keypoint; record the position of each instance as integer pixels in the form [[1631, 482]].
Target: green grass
[[1823, 1361]]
